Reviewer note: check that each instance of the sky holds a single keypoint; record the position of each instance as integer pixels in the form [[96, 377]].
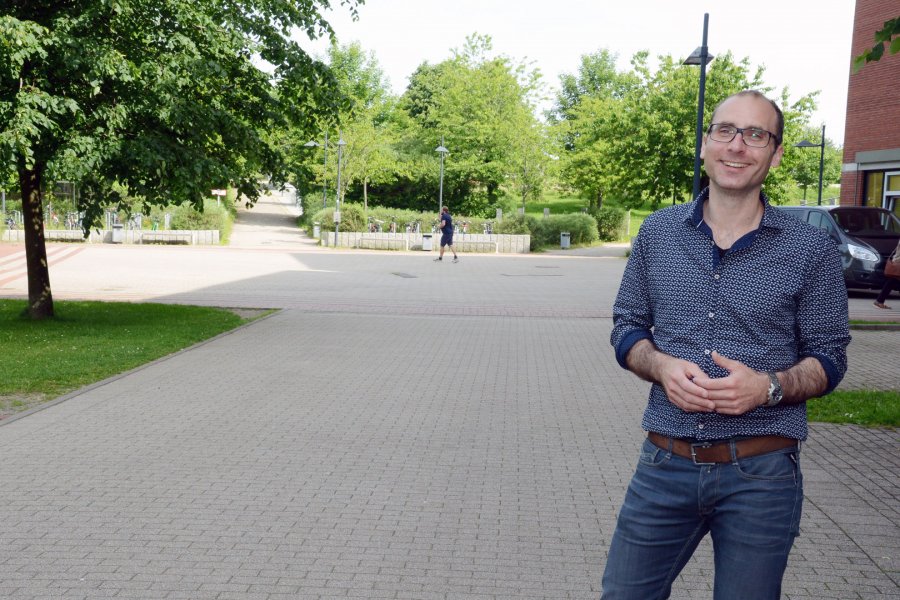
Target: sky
[[803, 44]]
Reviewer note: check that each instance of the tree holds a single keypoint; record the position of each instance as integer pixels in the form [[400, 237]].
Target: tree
[[368, 123], [802, 164], [639, 147], [889, 34], [162, 98], [482, 106]]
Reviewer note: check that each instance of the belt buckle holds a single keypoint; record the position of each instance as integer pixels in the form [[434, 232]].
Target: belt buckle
[[700, 445]]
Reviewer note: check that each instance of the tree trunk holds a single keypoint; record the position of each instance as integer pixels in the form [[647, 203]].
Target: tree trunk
[[366, 194], [40, 299]]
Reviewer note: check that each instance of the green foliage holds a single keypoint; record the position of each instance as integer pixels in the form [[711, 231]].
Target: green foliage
[[482, 107], [213, 216], [610, 223], [868, 408], [166, 99], [582, 229], [89, 341], [653, 162], [889, 34], [517, 225]]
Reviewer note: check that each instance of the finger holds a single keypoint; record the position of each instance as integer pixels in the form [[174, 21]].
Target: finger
[[725, 362], [714, 384]]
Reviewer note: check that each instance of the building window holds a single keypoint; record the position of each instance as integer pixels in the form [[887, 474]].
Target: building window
[[892, 192], [874, 188]]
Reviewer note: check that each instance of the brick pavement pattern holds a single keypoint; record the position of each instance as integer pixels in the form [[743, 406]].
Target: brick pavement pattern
[[401, 429]]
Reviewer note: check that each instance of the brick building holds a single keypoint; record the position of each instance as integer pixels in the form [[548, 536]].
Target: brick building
[[870, 174]]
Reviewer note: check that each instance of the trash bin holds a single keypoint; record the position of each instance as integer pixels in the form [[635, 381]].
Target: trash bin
[[564, 238], [118, 233], [317, 230], [427, 243]]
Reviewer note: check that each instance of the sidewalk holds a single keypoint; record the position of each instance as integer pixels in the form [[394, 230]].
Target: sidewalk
[[401, 429]]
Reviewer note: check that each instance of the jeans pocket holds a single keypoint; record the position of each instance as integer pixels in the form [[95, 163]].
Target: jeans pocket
[[652, 455], [774, 466]]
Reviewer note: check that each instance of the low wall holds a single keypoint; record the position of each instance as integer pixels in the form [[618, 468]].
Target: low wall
[[505, 244], [105, 236]]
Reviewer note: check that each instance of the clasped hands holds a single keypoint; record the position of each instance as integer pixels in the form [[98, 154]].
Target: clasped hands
[[692, 390]]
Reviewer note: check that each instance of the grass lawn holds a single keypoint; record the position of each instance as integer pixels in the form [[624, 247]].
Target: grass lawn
[[868, 408], [558, 205], [89, 341]]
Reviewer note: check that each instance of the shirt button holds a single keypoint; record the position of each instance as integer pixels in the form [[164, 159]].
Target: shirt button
[[701, 426], [716, 276], [707, 352], [711, 315]]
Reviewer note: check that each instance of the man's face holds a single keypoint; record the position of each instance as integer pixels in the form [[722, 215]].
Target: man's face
[[734, 166]]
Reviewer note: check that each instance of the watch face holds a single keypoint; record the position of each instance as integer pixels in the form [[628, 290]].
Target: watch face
[[775, 392]]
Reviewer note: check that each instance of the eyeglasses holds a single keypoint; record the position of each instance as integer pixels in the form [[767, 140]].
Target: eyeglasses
[[751, 136]]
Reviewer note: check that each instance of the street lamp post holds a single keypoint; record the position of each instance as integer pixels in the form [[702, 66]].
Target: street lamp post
[[314, 144], [701, 57], [443, 152], [808, 144], [337, 200]]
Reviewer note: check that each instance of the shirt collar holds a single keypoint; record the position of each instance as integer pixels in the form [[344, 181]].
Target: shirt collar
[[770, 214]]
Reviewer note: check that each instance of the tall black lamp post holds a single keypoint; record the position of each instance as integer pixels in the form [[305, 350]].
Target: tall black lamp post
[[443, 152], [701, 57], [337, 201], [808, 144], [313, 144]]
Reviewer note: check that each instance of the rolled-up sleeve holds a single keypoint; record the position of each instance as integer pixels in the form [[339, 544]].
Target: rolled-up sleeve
[[632, 311], [822, 316]]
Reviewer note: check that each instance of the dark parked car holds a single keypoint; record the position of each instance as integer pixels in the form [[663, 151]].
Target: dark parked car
[[867, 236]]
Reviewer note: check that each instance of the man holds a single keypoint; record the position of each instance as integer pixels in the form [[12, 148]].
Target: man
[[446, 234], [737, 313]]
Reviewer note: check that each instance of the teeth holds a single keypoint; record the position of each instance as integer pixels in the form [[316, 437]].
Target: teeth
[[734, 164]]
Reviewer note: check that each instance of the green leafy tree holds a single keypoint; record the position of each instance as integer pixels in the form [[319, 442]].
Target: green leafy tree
[[368, 124], [889, 34], [163, 97], [639, 147], [802, 164], [483, 107]]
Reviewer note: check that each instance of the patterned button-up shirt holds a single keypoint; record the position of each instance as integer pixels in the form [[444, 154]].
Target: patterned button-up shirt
[[775, 297]]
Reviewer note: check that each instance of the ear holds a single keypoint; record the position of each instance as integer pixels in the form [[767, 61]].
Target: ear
[[703, 147], [776, 158]]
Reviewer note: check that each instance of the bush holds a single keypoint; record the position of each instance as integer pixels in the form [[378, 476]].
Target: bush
[[610, 223], [517, 225], [582, 229], [185, 216]]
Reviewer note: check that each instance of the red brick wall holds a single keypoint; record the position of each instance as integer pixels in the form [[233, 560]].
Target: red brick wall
[[873, 96]]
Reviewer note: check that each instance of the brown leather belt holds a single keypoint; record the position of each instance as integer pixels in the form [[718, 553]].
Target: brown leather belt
[[720, 451]]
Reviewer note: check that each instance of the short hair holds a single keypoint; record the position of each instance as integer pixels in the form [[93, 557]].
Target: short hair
[[779, 125], [445, 209]]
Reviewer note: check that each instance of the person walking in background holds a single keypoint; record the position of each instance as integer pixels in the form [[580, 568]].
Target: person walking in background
[[737, 315], [891, 278], [446, 228]]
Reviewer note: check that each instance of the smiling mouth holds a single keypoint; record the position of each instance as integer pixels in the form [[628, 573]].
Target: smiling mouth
[[734, 164]]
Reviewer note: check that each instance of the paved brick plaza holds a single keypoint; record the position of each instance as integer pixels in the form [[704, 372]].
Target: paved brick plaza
[[401, 429]]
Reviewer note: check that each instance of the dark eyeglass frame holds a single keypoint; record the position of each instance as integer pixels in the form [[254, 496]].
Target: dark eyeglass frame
[[741, 130]]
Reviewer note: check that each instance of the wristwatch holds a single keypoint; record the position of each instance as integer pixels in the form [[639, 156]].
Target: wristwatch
[[775, 394]]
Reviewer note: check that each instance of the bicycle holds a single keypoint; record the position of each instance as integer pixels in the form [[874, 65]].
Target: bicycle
[[393, 226], [488, 227]]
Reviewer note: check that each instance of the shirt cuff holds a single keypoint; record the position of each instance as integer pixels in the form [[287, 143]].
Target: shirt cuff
[[831, 371], [628, 341]]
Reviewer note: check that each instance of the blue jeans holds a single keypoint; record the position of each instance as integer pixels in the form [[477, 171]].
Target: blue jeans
[[750, 507]]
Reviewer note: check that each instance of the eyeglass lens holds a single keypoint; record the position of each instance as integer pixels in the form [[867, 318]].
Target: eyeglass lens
[[758, 138]]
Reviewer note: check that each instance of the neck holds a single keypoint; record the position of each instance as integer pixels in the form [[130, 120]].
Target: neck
[[732, 215]]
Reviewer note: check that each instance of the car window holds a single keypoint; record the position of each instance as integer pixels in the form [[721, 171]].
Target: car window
[[814, 218], [871, 223]]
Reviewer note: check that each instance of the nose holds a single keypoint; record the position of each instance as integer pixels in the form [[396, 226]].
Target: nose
[[737, 142]]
